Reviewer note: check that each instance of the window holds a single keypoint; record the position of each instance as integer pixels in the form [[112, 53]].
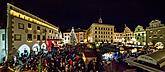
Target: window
[[138, 34], [38, 28], [96, 28], [38, 37], [20, 26], [49, 31], [3, 36], [29, 25], [95, 32], [17, 37], [65, 38], [65, 34], [43, 38], [95, 36], [29, 37]]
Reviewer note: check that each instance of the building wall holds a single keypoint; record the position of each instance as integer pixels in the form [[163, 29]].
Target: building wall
[[100, 33], [66, 37], [80, 37], [140, 35], [155, 35], [19, 28], [155, 32], [118, 37], [3, 51], [128, 35]]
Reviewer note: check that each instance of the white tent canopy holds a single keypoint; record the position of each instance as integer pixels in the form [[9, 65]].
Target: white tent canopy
[[36, 47], [43, 46], [22, 48]]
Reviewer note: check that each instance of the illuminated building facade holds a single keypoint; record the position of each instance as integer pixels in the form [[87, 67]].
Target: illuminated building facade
[[128, 35], [155, 32], [3, 51], [118, 37], [99, 32], [140, 35], [80, 35], [28, 31]]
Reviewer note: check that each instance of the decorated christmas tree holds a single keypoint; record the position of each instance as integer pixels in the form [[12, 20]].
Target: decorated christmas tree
[[73, 38]]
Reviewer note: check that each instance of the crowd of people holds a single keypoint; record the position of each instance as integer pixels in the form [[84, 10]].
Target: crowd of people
[[65, 59], [57, 60]]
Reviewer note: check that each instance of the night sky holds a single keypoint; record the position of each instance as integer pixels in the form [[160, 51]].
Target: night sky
[[82, 13]]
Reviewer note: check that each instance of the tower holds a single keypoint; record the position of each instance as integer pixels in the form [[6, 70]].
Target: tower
[[100, 20]]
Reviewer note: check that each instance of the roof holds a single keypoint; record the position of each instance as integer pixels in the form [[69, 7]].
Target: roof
[[157, 58], [14, 9], [101, 24]]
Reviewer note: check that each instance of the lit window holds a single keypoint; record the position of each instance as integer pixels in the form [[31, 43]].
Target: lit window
[[17, 37], [3, 36], [20, 26]]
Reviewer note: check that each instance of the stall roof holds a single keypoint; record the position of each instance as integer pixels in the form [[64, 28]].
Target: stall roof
[[157, 58]]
